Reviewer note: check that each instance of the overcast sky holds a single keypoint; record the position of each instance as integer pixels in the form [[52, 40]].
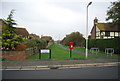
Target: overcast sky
[[55, 18]]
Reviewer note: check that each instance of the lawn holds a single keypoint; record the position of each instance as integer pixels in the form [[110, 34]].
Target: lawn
[[59, 53]]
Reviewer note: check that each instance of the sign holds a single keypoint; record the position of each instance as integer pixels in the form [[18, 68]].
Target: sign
[[71, 45], [45, 51]]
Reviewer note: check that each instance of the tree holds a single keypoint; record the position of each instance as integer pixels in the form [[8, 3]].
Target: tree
[[113, 13], [0, 34], [10, 40], [75, 37], [10, 22], [9, 37]]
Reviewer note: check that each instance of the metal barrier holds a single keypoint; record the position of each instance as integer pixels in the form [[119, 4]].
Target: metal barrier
[[109, 51], [94, 50]]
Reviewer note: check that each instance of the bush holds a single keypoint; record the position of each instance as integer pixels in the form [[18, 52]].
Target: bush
[[40, 43], [102, 44], [21, 47]]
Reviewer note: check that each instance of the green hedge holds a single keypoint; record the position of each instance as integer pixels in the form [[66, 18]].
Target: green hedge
[[105, 43]]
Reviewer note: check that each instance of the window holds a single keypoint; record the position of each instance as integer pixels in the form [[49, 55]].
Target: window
[[107, 34], [116, 33], [119, 34], [112, 34]]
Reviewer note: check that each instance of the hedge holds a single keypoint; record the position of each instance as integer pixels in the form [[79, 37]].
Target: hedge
[[102, 44], [40, 43]]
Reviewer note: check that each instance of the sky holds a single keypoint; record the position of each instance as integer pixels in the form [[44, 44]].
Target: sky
[[55, 18]]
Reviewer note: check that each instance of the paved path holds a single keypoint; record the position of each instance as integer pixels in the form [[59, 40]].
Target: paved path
[[56, 62]]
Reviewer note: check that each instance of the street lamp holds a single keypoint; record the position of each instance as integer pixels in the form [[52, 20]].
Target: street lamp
[[87, 30]]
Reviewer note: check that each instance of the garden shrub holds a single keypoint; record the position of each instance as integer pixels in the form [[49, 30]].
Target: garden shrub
[[21, 47], [40, 43]]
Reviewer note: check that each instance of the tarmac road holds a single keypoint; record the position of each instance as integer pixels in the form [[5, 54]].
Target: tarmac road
[[106, 72]]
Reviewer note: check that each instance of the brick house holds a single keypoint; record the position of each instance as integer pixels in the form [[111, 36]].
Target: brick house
[[104, 30]]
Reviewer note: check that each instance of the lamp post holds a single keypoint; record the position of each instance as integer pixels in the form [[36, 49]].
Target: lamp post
[[86, 54]]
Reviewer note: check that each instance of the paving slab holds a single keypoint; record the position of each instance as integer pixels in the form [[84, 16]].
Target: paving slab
[[41, 68], [12, 68], [28, 67]]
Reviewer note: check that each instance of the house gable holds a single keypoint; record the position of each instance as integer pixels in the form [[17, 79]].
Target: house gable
[[104, 30]]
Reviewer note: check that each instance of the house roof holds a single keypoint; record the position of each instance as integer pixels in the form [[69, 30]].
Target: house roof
[[107, 27], [34, 35], [22, 31]]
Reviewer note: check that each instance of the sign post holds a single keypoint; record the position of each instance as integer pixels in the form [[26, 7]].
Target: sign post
[[44, 51], [71, 46], [39, 53], [50, 53]]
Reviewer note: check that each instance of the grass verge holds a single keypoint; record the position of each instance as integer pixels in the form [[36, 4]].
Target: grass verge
[[58, 53]]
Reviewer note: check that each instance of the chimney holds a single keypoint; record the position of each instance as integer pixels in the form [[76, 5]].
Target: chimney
[[95, 20]]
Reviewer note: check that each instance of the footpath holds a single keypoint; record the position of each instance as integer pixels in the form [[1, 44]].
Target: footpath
[[57, 64]]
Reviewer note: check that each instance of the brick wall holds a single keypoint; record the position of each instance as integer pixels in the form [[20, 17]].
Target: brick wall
[[14, 55]]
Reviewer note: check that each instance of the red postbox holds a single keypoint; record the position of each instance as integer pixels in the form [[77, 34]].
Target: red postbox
[[71, 45]]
